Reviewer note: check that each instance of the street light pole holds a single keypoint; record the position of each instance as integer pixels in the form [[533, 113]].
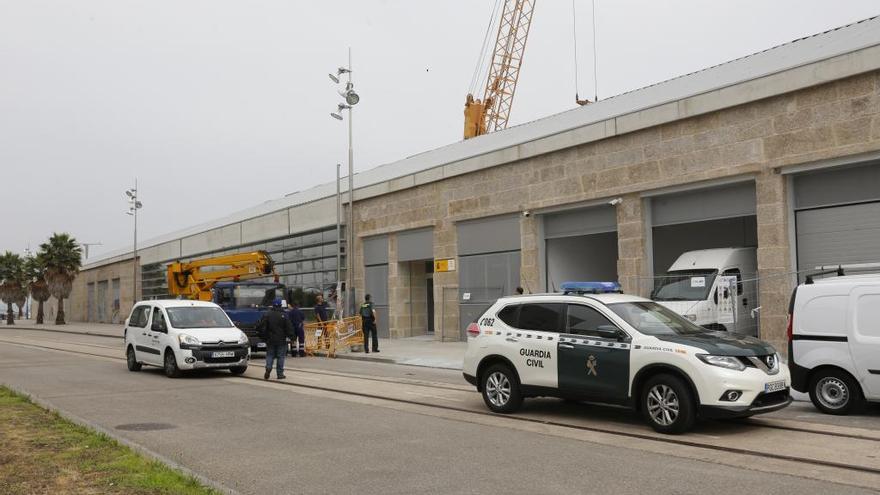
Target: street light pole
[[338, 234], [135, 205], [351, 99], [349, 278]]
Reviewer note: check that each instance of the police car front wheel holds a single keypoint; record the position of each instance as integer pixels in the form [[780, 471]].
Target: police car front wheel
[[501, 389], [667, 404]]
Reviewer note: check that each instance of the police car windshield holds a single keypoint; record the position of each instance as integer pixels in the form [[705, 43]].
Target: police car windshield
[[651, 318], [198, 317]]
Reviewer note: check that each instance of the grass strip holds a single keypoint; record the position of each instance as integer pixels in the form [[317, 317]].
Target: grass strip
[[41, 452]]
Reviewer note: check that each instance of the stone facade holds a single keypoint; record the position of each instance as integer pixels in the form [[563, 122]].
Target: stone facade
[[751, 141], [76, 307]]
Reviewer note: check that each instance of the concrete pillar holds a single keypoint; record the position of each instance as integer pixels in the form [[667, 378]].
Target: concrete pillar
[[398, 294], [446, 324], [530, 272], [775, 280], [632, 268]]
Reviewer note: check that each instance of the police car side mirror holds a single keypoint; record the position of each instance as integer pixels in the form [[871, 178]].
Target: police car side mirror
[[715, 296], [609, 332]]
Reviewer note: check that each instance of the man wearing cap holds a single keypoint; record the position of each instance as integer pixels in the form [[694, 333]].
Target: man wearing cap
[[274, 328]]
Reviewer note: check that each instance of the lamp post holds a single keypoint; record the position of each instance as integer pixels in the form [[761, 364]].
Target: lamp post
[[134, 206], [351, 99]]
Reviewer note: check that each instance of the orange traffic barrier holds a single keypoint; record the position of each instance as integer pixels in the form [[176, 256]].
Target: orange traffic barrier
[[326, 337]]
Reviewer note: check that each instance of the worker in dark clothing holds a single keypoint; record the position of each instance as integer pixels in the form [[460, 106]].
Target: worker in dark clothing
[[274, 328], [298, 342], [321, 309], [368, 317]]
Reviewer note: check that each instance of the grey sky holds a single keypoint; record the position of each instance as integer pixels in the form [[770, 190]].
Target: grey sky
[[218, 105]]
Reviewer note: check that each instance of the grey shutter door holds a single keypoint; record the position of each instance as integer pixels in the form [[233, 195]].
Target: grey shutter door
[[376, 282], [736, 200], [585, 221], [376, 250], [838, 236], [415, 245], [489, 235]]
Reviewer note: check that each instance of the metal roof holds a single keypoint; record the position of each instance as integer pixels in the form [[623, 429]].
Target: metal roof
[[826, 45]]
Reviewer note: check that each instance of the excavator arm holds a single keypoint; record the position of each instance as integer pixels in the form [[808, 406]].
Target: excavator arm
[[195, 279]]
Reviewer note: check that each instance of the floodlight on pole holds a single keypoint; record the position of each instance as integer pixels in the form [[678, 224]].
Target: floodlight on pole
[[351, 98]]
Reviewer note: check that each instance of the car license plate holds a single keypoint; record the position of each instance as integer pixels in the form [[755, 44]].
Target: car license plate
[[774, 386], [261, 344], [223, 354]]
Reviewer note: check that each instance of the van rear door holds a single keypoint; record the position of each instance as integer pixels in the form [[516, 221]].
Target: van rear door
[[864, 339]]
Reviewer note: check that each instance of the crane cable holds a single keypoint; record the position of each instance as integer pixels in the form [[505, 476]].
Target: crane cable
[[575, 38], [595, 56], [481, 60]]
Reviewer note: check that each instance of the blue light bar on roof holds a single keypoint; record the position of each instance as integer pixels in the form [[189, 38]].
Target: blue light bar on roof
[[591, 288]]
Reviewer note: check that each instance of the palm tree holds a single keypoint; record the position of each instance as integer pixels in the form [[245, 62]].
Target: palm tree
[[63, 257], [36, 269], [11, 273]]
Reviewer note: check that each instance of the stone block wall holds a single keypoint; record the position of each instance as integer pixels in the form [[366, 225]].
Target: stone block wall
[[837, 119]]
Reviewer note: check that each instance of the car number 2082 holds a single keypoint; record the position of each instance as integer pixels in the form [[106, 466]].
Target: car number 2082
[[487, 322]]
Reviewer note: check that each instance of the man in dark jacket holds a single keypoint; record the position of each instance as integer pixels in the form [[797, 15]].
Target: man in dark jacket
[[274, 328], [297, 318]]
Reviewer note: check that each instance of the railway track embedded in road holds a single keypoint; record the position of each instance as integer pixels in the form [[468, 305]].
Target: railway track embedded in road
[[673, 440]]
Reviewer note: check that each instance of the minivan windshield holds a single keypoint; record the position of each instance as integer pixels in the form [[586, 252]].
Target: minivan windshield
[[198, 317], [651, 318], [684, 285]]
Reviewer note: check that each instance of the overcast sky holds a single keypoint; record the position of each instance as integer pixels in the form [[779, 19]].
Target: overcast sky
[[218, 105]]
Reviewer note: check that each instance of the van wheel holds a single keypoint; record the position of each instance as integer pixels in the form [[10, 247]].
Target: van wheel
[[131, 360], [238, 370], [501, 389], [834, 392], [668, 405], [171, 369]]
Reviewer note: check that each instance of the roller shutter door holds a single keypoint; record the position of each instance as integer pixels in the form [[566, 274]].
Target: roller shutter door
[[841, 235], [837, 217], [489, 264]]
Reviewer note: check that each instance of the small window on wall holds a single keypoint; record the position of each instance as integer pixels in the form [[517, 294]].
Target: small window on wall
[[508, 315], [541, 317]]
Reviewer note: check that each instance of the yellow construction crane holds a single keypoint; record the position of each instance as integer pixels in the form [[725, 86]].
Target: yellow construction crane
[[492, 112], [193, 281]]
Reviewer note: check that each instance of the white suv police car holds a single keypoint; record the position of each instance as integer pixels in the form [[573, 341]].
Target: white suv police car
[[624, 350], [184, 335]]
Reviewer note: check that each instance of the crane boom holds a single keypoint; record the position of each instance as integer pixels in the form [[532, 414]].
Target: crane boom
[[190, 280], [493, 111]]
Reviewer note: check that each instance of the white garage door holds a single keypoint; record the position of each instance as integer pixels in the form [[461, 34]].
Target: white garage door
[[841, 235]]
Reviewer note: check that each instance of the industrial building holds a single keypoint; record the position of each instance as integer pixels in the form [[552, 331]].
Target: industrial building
[[778, 150]]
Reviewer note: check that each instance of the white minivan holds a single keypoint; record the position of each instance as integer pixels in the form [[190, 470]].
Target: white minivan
[[713, 288], [834, 341], [184, 335]]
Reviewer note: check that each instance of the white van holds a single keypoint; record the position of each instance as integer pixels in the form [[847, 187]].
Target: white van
[[834, 341], [707, 287], [184, 335]]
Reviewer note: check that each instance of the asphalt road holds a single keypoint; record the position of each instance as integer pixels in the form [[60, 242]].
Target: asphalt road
[[263, 437]]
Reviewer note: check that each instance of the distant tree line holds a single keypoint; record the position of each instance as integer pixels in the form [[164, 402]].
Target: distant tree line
[[48, 273]]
